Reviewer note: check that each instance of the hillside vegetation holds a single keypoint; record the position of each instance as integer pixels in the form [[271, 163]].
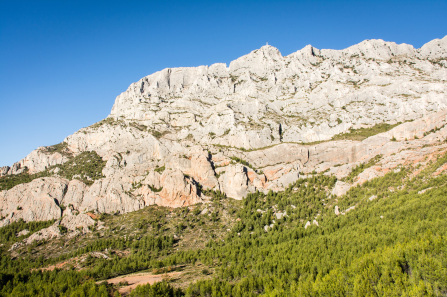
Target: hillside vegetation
[[86, 167], [388, 240]]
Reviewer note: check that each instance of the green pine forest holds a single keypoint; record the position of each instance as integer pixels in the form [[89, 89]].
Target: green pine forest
[[392, 243]]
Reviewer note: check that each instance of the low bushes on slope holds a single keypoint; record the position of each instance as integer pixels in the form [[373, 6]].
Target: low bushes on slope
[[87, 167]]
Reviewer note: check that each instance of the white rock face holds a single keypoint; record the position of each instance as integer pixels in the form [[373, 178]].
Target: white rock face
[[38, 160], [244, 128], [235, 181], [36, 201], [307, 96], [81, 221]]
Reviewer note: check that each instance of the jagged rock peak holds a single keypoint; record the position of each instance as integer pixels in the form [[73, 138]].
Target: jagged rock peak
[[379, 49], [435, 49], [257, 59], [265, 73], [383, 50], [268, 51]]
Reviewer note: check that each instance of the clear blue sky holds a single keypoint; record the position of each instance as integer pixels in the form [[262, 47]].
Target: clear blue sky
[[62, 62]]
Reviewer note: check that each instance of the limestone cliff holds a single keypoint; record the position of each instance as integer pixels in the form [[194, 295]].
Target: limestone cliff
[[257, 125]]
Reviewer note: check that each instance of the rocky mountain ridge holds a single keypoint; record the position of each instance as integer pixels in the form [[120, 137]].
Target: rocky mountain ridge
[[311, 94], [179, 136]]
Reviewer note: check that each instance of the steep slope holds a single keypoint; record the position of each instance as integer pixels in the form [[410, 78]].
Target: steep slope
[[385, 237], [181, 135]]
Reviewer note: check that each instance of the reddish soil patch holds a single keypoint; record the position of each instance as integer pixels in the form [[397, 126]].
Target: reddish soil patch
[[133, 280], [92, 215], [52, 267]]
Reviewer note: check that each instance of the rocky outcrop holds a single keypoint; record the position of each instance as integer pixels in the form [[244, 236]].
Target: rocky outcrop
[[4, 170], [35, 201], [44, 234], [235, 181], [38, 160], [79, 222], [256, 125]]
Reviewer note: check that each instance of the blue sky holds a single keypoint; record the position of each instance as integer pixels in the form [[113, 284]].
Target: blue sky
[[62, 63]]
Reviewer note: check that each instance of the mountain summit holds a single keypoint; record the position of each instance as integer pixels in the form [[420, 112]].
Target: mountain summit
[[181, 135]]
